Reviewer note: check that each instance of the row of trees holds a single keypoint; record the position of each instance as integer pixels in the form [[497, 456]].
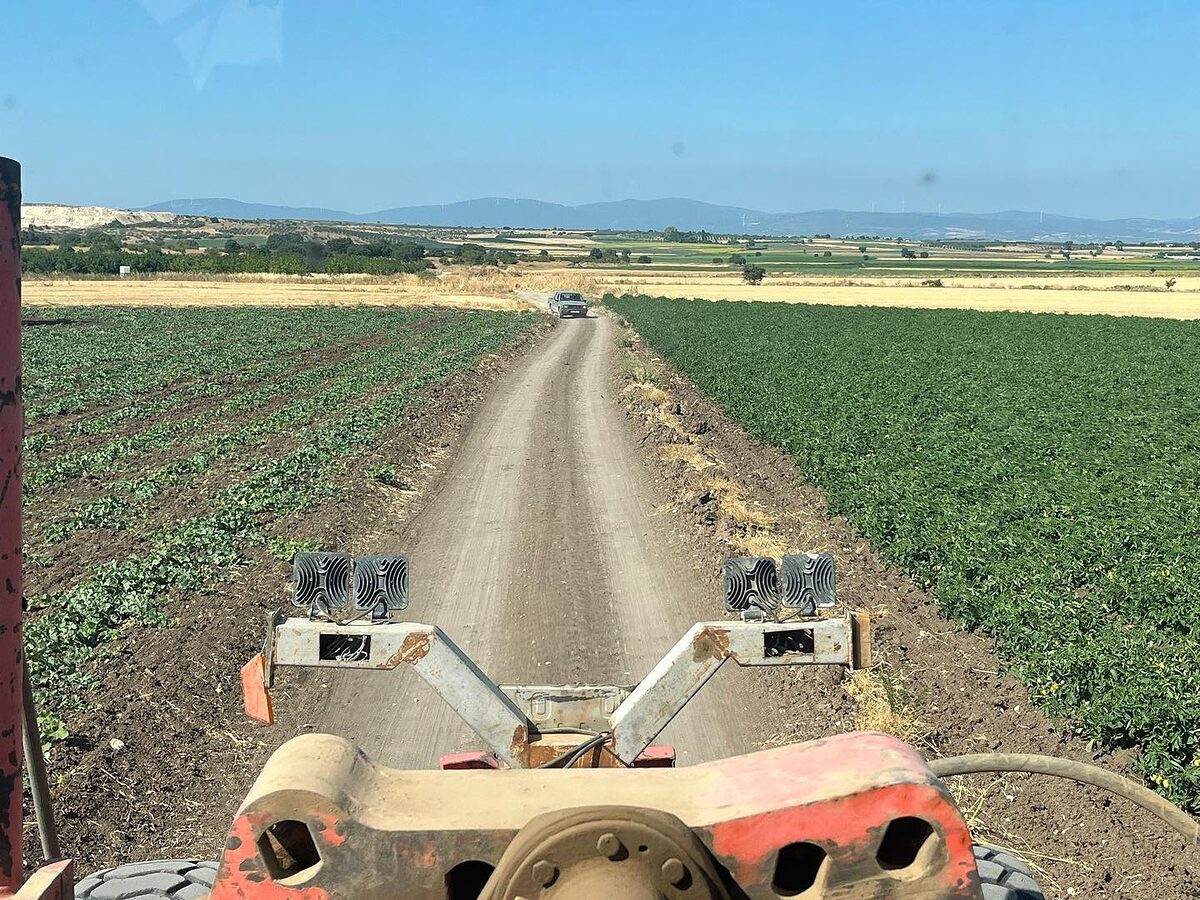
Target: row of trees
[[37, 261]]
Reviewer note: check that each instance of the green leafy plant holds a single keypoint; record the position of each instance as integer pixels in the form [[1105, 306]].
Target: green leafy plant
[[1038, 472]]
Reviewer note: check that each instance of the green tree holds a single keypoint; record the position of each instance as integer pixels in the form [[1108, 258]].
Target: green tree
[[753, 274]]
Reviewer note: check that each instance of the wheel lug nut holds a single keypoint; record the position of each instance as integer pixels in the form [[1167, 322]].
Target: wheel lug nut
[[675, 872], [609, 845], [544, 873]]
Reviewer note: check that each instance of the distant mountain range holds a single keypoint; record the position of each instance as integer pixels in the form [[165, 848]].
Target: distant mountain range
[[693, 215]]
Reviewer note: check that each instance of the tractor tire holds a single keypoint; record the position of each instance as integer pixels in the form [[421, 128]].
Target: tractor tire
[[1004, 877], [173, 879]]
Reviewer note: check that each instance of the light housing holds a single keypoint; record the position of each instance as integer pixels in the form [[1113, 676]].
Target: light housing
[[751, 583], [381, 585], [809, 582], [321, 582]]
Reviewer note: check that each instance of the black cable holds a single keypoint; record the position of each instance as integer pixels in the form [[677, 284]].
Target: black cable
[[572, 755], [1083, 773]]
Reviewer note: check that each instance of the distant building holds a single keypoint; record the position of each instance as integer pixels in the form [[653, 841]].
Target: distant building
[[125, 270]]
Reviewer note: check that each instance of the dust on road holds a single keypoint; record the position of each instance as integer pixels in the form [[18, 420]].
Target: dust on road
[[540, 554]]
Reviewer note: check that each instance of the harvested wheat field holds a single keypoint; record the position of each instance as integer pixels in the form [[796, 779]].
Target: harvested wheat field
[[501, 289], [1129, 296], [267, 291]]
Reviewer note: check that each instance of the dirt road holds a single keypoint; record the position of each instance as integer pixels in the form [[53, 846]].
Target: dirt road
[[539, 552]]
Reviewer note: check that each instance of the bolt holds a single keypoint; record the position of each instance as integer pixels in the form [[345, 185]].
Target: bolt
[[609, 845], [544, 873], [675, 872]]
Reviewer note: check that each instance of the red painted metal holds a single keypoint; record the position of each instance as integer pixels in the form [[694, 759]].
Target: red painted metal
[[12, 426], [256, 699], [53, 881], [470, 759], [381, 833], [656, 758], [651, 758]]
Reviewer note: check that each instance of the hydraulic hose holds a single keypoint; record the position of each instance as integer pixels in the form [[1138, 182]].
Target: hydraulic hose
[[1083, 773]]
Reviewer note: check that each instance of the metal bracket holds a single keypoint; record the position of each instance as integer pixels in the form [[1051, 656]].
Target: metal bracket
[[427, 651], [634, 717], [704, 649]]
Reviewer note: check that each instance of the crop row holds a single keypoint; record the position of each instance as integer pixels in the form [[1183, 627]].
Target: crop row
[[1040, 472], [43, 472], [331, 420], [106, 355], [324, 391]]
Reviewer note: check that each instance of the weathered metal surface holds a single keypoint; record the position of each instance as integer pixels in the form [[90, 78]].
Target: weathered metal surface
[[256, 699], [699, 653], [428, 652], [382, 833], [515, 721], [53, 881], [572, 706], [12, 425], [603, 852], [35, 767]]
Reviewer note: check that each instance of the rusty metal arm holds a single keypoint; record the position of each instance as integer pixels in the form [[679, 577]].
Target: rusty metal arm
[[428, 652], [699, 653]]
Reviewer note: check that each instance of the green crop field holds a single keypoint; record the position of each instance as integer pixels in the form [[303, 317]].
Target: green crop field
[[1041, 473], [164, 444]]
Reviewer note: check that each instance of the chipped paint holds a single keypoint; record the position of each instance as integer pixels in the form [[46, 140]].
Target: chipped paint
[[710, 643], [11, 586], [414, 648]]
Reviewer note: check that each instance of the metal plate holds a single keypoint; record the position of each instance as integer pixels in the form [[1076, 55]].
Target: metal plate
[[589, 707], [320, 582], [809, 582], [381, 584], [751, 582]]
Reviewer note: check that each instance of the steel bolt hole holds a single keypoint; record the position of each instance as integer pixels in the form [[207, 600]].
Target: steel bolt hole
[[467, 880], [903, 842], [797, 867], [289, 850]]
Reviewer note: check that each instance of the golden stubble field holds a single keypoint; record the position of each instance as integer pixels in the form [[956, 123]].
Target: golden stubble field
[[1120, 295]]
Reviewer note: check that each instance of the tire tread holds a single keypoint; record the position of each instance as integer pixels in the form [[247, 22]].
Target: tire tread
[[166, 879], [1004, 876]]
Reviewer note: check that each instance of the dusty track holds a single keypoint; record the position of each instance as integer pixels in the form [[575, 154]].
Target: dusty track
[[540, 554]]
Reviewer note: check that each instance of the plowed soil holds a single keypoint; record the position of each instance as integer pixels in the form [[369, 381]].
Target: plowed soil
[[550, 538]]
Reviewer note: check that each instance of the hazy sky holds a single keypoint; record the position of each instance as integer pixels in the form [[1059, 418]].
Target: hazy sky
[[1086, 108]]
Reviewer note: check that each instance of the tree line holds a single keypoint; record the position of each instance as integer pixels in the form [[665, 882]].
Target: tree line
[[282, 254]]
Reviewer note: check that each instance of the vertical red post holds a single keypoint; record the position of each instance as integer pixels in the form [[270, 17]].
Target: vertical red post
[[12, 428]]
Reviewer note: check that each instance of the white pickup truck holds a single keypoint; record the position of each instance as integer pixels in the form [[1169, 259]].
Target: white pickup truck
[[568, 304]]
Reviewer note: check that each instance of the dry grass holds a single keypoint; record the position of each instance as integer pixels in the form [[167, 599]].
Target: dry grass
[[695, 458], [646, 392], [291, 292], [1119, 294], [497, 289], [490, 288], [880, 705]]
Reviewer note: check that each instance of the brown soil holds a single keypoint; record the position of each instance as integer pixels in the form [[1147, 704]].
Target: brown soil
[[157, 763], [948, 688], [186, 756]]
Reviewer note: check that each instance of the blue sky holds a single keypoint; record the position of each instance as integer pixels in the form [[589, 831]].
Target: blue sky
[[1085, 108]]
